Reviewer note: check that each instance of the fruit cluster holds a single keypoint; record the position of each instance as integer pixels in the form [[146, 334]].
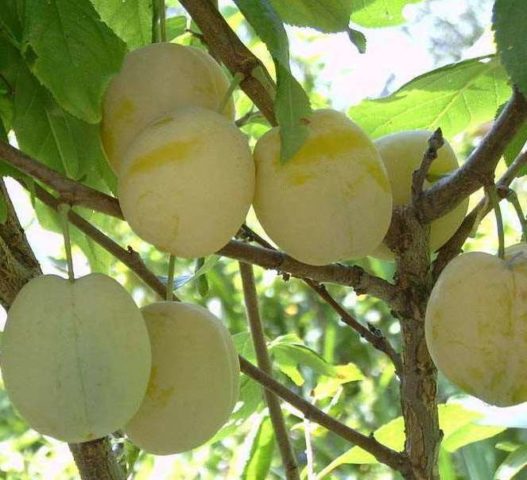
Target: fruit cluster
[[187, 177], [80, 360]]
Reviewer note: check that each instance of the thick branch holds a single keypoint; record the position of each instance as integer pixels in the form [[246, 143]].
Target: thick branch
[[96, 461], [383, 454], [18, 263], [478, 170], [264, 363], [226, 45], [70, 191]]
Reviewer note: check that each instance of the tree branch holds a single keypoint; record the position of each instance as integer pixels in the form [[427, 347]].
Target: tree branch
[[383, 454], [453, 247], [226, 45], [96, 461], [351, 276], [373, 336], [478, 170], [264, 363], [70, 191]]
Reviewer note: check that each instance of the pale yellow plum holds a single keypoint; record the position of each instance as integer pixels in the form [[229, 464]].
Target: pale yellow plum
[[402, 153], [187, 182], [332, 201], [155, 80], [476, 325], [75, 356], [194, 382]]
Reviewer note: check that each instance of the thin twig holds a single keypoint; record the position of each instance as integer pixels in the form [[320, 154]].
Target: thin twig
[[453, 247], [435, 142], [383, 454], [127, 256], [373, 335], [264, 363]]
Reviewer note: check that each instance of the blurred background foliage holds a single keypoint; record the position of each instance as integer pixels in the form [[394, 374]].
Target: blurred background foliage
[[314, 353]]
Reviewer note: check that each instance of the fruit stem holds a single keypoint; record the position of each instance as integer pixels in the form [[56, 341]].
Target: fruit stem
[[170, 278], [159, 31], [64, 210], [513, 199], [238, 77], [495, 204]]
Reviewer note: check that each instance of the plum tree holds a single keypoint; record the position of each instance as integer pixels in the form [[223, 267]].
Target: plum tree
[[154, 81], [187, 182], [75, 356], [332, 201], [402, 153], [194, 382], [476, 327]]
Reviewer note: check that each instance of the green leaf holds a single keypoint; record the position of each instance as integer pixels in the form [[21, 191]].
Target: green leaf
[[244, 346], [459, 426], [326, 16], [72, 52], [249, 401], [358, 39], [3, 210], [447, 470], [131, 20], [456, 97], [10, 21], [261, 455], [513, 464], [509, 26], [327, 387], [50, 134], [202, 267], [291, 101], [176, 26], [290, 357], [379, 13], [514, 148]]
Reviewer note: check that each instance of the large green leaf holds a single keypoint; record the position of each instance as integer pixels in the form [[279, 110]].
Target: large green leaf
[[47, 132], [379, 13], [509, 25], [72, 52], [326, 16], [455, 97], [513, 464], [262, 448], [291, 101], [10, 21], [130, 19], [459, 426]]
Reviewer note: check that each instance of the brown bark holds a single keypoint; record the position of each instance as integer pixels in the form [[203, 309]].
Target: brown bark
[[418, 380], [96, 461]]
